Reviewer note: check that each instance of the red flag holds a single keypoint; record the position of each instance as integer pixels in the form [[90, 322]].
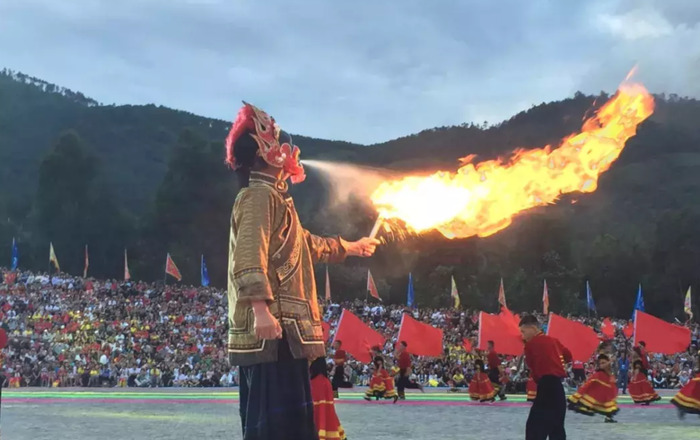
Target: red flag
[[628, 330], [171, 269], [326, 331], [660, 336], [127, 274], [580, 339], [500, 330], [10, 278], [371, 287], [467, 344], [357, 337], [608, 329], [545, 299], [87, 262], [422, 339], [502, 295]]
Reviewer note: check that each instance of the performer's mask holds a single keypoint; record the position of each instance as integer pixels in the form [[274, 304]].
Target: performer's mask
[[275, 146]]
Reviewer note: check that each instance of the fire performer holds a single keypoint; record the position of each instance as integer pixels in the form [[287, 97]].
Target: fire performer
[[640, 389], [599, 394], [687, 400], [545, 358], [326, 419], [274, 320], [404, 381], [494, 362], [339, 359], [481, 388]]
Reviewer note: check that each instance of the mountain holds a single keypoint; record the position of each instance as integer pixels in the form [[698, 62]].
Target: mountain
[[152, 179]]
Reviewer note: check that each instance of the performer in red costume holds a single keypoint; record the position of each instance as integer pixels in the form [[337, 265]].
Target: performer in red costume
[[598, 394], [640, 389], [404, 363], [381, 386], [546, 358], [687, 400], [495, 370], [480, 387], [274, 323], [339, 359], [327, 423]]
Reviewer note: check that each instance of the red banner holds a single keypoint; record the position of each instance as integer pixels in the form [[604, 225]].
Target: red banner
[[499, 329], [608, 329], [357, 337], [170, 268], [628, 330], [660, 336], [580, 339], [422, 339], [467, 344]]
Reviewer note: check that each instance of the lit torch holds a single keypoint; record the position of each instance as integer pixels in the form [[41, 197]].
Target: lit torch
[[481, 199], [375, 228]]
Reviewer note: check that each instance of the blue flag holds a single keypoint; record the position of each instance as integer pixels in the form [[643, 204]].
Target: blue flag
[[15, 255], [409, 301], [205, 273], [589, 297], [639, 304]]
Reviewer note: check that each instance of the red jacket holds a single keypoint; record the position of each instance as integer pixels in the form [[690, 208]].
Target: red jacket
[[546, 356]]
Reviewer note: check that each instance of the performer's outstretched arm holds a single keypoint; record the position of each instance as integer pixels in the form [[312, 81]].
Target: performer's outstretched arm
[[326, 249], [335, 249]]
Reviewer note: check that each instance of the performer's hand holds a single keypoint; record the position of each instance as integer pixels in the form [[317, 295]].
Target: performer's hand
[[364, 247], [266, 326]]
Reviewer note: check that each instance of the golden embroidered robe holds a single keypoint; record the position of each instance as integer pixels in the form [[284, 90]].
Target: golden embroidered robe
[[271, 258]]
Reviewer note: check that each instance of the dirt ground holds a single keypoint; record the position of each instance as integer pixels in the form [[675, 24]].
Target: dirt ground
[[198, 414]]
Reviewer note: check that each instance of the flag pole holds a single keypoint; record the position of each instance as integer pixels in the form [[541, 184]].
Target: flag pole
[[165, 272]]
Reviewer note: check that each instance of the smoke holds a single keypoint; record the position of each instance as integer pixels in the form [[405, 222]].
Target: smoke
[[348, 182]]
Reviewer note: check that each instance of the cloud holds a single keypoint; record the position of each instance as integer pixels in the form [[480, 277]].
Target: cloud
[[363, 71]]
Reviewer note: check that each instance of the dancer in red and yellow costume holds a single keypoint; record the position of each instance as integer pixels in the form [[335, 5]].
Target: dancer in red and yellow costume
[[640, 389], [480, 387], [381, 386], [687, 400], [598, 394], [326, 419]]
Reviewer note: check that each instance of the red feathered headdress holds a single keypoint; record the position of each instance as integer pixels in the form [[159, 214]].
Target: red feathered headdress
[[262, 127]]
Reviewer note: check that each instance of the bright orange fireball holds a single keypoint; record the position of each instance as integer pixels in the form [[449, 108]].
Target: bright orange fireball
[[481, 199]]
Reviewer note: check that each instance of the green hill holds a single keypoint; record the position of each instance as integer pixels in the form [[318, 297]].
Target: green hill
[[152, 179]]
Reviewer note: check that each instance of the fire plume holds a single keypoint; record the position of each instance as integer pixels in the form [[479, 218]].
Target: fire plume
[[481, 199]]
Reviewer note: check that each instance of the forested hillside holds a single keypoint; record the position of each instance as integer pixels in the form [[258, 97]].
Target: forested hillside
[[152, 179]]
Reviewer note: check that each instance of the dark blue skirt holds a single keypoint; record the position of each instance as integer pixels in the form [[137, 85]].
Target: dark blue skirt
[[275, 399]]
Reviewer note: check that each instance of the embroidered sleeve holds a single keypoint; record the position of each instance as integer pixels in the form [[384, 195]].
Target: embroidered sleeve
[[325, 249], [251, 228]]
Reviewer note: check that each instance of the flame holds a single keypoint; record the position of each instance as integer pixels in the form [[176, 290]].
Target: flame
[[481, 199]]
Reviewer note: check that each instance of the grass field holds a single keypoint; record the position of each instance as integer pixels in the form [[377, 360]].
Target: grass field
[[159, 414]]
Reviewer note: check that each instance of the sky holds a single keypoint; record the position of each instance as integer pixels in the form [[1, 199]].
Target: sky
[[364, 71]]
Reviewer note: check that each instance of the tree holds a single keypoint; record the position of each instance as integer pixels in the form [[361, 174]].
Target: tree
[[191, 212], [73, 208]]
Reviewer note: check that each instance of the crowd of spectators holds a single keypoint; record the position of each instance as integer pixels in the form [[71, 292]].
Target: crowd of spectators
[[69, 331], [456, 367]]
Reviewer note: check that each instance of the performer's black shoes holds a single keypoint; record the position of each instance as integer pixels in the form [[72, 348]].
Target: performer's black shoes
[[396, 398], [610, 420], [502, 398]]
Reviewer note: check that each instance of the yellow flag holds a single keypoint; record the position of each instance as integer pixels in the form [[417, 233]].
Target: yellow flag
[[455, 293], [686, 304], [52, 258]]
